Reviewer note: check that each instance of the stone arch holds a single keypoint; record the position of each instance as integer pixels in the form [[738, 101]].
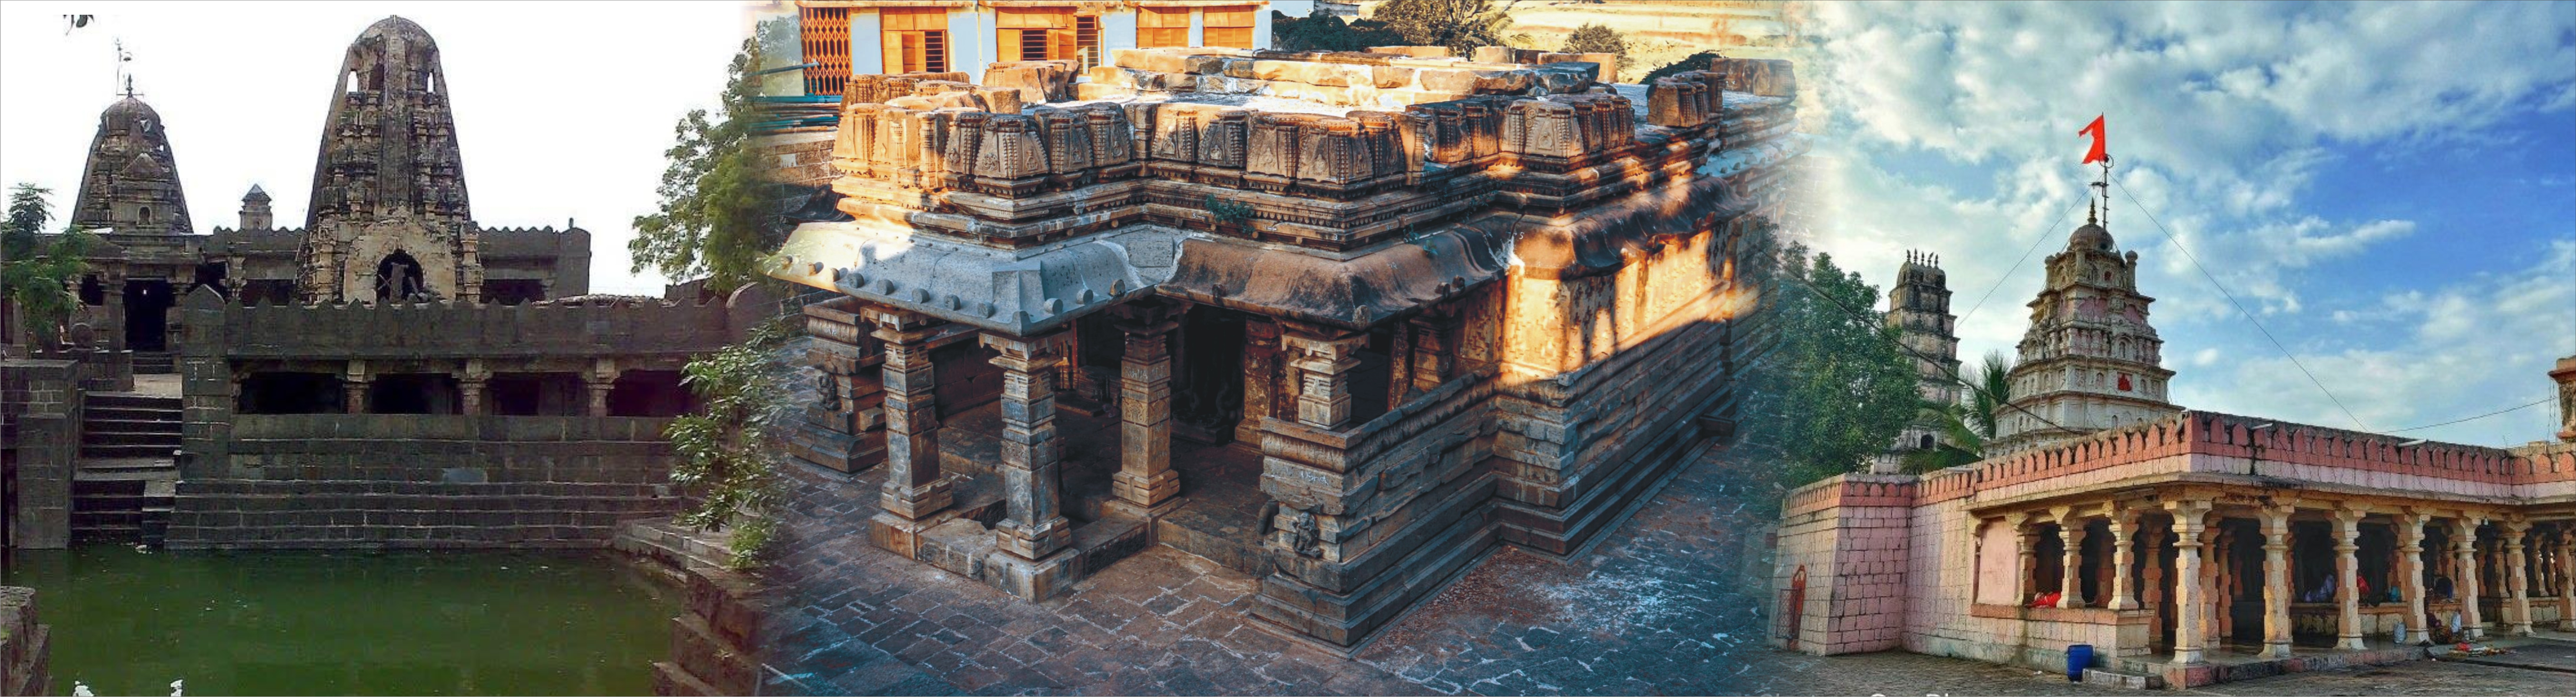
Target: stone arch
[[399, 276]]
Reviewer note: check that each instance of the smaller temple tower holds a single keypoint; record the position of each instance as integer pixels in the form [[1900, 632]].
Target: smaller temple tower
[[254, 211], [131, 183], [2565, 374], [1918, 306], [2090, 360]]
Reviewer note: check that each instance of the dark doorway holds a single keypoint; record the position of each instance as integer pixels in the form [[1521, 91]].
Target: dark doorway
[[211, 273], [290, 393], [513, 291], [412, 393], [1207, 389], [147, 314], [398, 277], [649, 393], [536, 394]]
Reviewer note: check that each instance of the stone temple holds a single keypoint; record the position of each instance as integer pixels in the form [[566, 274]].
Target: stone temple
[[391, 375], [1341, 321], [2181, 547]]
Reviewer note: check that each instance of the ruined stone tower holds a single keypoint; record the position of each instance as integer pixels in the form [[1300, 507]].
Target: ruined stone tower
[[1918, 306], [388, 217], [131, 183], [254, 211], [2090, 360]]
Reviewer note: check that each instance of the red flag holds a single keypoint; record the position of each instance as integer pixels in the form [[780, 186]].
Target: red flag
[[2101, 149]]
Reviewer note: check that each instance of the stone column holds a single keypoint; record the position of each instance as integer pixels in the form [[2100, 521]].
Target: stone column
[[2124, 594], [913, 487], [2410, 578], [2347, 526], [470, 383], [2276, 581], [1434, 359], [2189, 605], [2070, 583], [353, 387], [1324, 358], [1034, 526], [1145, 475], [2213, 582], [2464, 546], [2517, 607], [2566, 577], [2027, 537], [601, 378], [1261, 381]]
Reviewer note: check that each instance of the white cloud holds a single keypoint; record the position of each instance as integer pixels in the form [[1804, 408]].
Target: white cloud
[[563, 110]]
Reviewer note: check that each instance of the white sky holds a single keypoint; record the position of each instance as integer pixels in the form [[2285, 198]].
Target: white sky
[[562, 109]]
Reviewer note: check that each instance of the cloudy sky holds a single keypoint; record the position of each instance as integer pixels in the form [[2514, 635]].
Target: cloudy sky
[[562, 109], [2389, 188]]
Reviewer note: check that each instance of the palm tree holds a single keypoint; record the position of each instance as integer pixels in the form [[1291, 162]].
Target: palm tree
[[1968, 424]]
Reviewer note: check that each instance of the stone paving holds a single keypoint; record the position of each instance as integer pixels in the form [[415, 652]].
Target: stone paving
[[1651, 609]]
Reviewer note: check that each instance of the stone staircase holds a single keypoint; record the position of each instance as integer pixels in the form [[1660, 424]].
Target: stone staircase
[[126, 480], [155, 363]]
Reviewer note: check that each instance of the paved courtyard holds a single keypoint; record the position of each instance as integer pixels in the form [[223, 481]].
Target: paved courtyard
[[1652, 608]]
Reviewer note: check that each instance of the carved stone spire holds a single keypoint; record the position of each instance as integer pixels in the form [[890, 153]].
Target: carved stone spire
[[389, 186], [131, 183]]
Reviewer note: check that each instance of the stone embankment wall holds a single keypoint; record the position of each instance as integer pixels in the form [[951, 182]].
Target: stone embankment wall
[[40, 437], [466, 479], [26, 645]]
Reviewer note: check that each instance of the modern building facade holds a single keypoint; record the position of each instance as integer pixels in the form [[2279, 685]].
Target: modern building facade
[[892, 37]]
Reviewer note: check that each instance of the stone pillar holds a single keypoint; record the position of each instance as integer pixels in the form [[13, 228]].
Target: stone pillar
[[2347, 526], [470, 383], [2027, 548], [1262, 389], [1145, 475], [2152, 592], [2410, 575], [1435, 360], [2517, 607], [2070, 583], [1034, 526], [2213, 582], [2566, 577], [2276, 581], [913, 488], [601, 378], [2464, 546], [2124, 594], [353, 387], [1324, 358], [2189, 596]]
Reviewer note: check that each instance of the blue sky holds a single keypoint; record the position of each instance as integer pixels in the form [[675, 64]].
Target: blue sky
[[2389, 187]]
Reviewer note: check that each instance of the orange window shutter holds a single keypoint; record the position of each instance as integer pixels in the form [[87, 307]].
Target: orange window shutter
[[1008, 42], [1061, 45]]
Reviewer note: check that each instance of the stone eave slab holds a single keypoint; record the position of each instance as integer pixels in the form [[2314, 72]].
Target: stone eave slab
[[1352, 290], [1020, 292]]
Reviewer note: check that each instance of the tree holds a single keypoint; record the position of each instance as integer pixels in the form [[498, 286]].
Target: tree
[[1696, 61], [1969, 425], [36, 276], [1596, 38], [726, 448], [1845, 387], [1325, 32], [1461, 25], [714, 219]]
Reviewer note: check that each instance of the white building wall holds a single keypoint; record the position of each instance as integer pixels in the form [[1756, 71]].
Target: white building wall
[[1198, 27], [1117, 31], [867, 42], [970, 41], [1261, 26]]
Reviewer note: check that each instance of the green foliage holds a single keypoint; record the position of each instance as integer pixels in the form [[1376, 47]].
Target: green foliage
[[1326, 32], [1989, 388], [1596, 38], [1696, 61], [1461, 25], [714, 221], [37, 276], [726, 450], [1970, 424], [1226, 212], [1845, 387]]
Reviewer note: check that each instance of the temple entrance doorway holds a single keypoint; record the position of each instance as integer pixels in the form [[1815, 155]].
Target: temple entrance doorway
[[398, 277], [2242, 583], [1207, 375], [147, 314]]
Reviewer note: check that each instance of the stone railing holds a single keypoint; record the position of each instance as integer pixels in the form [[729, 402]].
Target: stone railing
[[217, 327]]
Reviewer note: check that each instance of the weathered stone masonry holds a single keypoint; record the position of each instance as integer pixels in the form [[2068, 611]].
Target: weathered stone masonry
[[527, 425], [1488, 316]]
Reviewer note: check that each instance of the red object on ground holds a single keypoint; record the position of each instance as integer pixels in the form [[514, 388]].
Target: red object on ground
[[2101, 146]]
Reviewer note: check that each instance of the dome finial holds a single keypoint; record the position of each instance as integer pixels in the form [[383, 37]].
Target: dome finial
[[2090, 206]]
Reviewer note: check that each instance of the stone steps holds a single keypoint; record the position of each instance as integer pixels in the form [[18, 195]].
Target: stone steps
[[155, 363], [125, 484]]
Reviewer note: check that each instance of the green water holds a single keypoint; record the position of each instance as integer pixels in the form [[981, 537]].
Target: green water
[[355, 623]]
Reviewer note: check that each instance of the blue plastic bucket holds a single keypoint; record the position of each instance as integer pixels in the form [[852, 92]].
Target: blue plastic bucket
[[2078, 657]]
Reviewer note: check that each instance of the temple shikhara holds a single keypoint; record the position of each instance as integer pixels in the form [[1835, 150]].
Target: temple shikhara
[[1341, 321], [2180, 547]]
